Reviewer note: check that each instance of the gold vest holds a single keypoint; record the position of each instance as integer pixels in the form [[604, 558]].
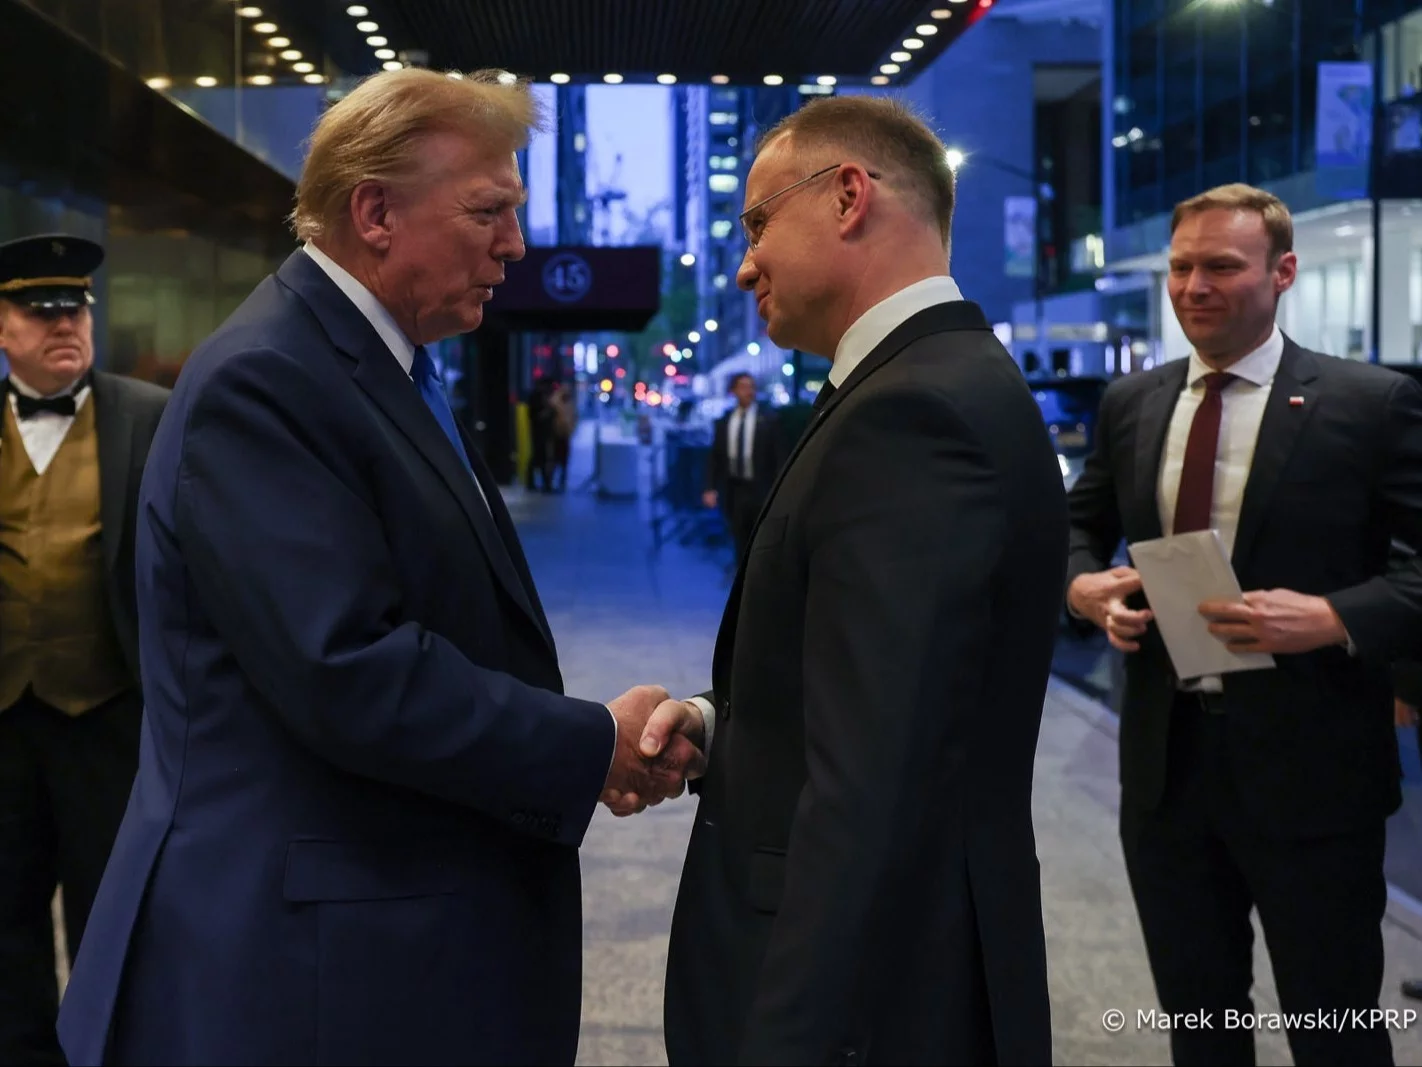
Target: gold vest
[[56, 633]]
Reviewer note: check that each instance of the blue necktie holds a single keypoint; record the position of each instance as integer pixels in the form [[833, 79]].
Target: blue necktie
[[431, 386]]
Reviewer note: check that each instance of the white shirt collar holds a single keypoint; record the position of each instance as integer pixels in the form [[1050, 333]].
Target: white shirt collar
[[1257, 368], [400, 346], [864, 335], [25, 389]]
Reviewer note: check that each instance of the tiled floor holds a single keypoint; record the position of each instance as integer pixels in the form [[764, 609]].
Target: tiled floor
[[624, 615]]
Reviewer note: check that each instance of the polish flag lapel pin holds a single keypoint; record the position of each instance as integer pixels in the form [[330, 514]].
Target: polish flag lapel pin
[[1296, 401]]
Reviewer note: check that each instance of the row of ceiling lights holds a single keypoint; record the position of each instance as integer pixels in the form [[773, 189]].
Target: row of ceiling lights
[[913, 44], [281, 46]]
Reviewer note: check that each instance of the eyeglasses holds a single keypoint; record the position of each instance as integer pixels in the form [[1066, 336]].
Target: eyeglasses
[[753, 235]]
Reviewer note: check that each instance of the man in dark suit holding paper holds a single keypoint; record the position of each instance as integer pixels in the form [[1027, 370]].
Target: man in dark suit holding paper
[[1264, 789]]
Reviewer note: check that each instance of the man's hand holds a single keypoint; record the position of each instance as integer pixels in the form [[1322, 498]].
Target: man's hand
[[1276, 621], [709, 498], [1102, 599], [674, 739], [634, 773]]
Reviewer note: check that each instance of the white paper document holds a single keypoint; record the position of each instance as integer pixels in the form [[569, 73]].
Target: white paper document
[[1179, 573]]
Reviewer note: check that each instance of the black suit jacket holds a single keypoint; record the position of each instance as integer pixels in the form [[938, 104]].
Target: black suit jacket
[[767, 452], [1311, 743], [126, 414], [862, 884]]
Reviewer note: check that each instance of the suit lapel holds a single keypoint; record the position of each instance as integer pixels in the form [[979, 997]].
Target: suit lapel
[[113, 425], [1151, 432], [940, 318], [1279, 431], [508, 535], [380, 377]]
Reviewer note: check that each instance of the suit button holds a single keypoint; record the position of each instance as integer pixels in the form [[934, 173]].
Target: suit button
[[848, 1057], [726, 710], [519, 818]]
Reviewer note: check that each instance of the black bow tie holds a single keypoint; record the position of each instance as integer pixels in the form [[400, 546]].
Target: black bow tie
[[30, 406]]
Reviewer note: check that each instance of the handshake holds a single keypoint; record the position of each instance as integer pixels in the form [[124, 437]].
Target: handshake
[[661, 744]]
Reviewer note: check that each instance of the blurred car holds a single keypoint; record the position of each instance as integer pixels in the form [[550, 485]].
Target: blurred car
[[1069, 408]]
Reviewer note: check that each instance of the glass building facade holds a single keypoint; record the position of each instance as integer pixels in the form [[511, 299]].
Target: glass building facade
[[1203, 92]]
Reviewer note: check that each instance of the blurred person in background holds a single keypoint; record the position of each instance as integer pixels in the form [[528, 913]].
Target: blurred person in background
[[746, 455], [72, 448]]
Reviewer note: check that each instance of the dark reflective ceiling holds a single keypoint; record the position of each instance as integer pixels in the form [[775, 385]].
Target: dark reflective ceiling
[[741, 41]]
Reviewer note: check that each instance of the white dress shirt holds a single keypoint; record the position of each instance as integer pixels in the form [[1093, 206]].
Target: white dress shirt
[[1242, 412], [401, 347], [733, 441], [863, 336], [44, 431], [865, 333]]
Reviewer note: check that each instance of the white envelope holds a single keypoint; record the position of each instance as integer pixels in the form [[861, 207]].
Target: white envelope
[[1179, 573]]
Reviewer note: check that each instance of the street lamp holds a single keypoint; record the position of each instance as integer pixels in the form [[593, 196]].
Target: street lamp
[[956, 159]]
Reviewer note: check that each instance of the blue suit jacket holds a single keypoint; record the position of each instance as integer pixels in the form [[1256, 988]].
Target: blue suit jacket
[[353, 836]]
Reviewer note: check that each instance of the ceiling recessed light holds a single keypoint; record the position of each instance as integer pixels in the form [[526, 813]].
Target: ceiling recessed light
[[250, 12], [279, 42], [367, 27], [913, 42], [890, 68], [612, 79], [879, 79], [260, 79], [928, 29], [377, 41], [506, 77], [357, 11], [720, 79], [385, 53], [941, 13], [826, 79], [303, 68], [666, 79], [454, 75], [314, 79], [559, 79], [207, 81], [773, 79], [393, 64], [264, 27], [900, 57], [159, 83], [291, 53]]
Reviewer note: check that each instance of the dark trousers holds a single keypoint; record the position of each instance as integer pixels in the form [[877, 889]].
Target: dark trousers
[[1197, 868], [64, 785], [741, 504]]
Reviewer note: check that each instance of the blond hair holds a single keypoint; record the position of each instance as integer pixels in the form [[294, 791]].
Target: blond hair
[[1237, 196], [373, 134], [883, 132]]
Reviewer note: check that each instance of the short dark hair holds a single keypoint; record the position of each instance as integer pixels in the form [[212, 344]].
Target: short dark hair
[[890, 135], [1237, 196], [735, 379]]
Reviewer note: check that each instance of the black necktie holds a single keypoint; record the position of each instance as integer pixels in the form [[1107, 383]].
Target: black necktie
[[742, 466], [826, 391]]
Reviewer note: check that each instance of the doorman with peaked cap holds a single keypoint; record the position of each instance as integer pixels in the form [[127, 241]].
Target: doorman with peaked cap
[[73, 442]]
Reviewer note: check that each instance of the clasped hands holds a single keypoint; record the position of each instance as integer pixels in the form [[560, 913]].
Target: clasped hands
[[1267, 620], [660, 746]]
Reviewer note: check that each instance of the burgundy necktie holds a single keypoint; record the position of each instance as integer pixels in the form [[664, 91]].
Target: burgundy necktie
[[1196, 498]]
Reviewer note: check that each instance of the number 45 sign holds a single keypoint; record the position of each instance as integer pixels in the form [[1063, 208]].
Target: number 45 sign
[[567, 277]]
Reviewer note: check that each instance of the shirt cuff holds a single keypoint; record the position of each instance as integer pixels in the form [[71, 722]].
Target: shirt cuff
[[615, 730], [708, 720]]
